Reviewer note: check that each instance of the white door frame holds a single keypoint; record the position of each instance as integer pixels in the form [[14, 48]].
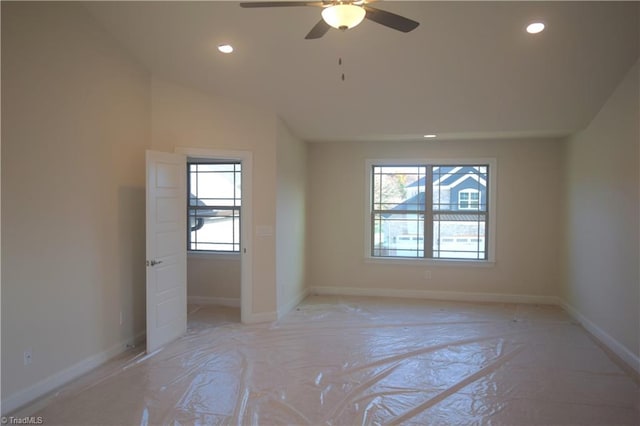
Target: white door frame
[[246, 219]]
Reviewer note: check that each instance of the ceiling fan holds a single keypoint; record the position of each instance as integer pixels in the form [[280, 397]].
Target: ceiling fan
[[343, 15]]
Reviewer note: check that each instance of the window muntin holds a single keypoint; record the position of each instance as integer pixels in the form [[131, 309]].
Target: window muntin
[[417, 211], [214, 206]]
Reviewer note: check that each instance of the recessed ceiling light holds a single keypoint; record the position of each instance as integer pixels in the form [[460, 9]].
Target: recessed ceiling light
[[225, 48], [431, 136], [535, 27]]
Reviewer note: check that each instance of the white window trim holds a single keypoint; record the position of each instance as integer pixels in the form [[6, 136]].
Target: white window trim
[[491, 223]]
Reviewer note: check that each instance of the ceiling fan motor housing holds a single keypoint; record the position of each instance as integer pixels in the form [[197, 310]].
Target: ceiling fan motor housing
[[343, 14]]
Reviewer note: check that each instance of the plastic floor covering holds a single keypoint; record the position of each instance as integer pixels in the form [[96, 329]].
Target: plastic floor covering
[[362, 361]]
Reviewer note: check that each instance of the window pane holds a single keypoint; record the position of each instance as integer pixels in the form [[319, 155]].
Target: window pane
[[399, 188], [217, 230], [460, 188], [216, 188], [398, 235], [459, 236]]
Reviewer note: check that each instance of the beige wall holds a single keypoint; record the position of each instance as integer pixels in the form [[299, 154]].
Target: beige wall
[[603, 281], [78, 114], [213, 278], [529, 229], [75, 125], [290, 218], [182, 117]]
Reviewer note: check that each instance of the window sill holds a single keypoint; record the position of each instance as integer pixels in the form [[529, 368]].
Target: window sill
[[430, 262], [213, 255]]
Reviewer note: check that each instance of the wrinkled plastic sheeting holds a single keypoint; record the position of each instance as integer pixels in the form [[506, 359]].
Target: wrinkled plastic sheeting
[[357, 361]]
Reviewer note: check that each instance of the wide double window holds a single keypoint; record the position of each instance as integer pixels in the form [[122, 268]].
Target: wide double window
[[214, 206], [431, 211]]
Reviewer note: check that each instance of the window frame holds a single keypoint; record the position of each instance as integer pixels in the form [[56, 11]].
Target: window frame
[[490, 231], [234, 208]]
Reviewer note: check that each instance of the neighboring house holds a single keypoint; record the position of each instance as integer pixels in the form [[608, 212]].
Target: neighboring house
[[460, 189], [454, 188]]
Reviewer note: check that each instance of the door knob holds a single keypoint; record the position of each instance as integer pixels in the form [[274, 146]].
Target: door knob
[[153, 262]]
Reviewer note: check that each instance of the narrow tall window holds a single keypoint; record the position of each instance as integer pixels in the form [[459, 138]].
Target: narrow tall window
[[214, 206], [430, 211]]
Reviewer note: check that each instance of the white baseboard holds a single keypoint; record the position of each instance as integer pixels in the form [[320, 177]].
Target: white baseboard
[[220, 301], [293, 303], [605, 338], [21, 399], [436, 295], [247, 317], [260, 317], [611, 343]]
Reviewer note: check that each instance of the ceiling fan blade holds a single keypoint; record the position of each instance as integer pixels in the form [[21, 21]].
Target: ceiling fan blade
[[280, 3], [390, 20], [318, 30]]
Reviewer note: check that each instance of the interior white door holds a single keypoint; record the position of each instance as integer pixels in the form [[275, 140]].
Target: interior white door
[[166, 248]]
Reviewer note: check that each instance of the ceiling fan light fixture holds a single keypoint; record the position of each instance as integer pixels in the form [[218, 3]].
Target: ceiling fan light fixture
[[225, 48], [535, 27], [343, 16]]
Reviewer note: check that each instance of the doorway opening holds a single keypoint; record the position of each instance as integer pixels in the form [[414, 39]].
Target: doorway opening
[[214, 211], [218, 233]]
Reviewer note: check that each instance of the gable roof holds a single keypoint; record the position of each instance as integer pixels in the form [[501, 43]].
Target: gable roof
[[451, 178]]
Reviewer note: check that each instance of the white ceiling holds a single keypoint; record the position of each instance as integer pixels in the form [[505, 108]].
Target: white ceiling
[[468, 70]]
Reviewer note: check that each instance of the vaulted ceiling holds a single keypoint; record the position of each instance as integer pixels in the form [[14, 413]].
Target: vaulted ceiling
[[469, 70]]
